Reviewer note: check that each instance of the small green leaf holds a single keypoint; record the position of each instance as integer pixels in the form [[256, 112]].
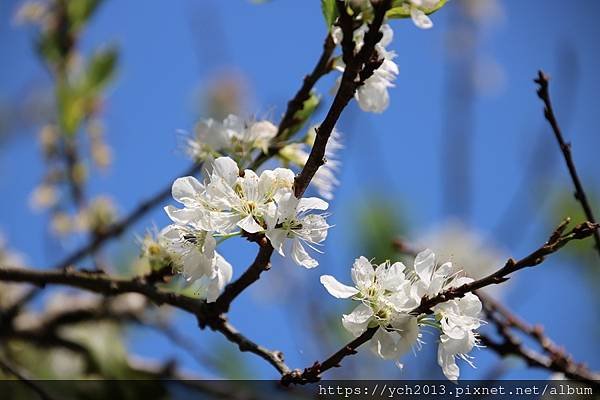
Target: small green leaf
[[101, 68], [303, 115], [80, 11], [48, 48], [330, 12], [401, 9]]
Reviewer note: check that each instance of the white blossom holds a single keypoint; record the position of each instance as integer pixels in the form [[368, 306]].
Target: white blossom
[[244, 200], [372, 95], [386, 299], [289, 219], [390, 293], [458, 317], [459, 320], [193, 254], [234, 136], [230, 203]]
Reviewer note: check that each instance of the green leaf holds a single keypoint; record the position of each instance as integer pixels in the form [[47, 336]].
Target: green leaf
[[101, 69], [400, 9], [80, 11], [330, 12], [48, 48], [303, 115]]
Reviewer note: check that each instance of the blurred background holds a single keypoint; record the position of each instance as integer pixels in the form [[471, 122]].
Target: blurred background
[[462, 161]]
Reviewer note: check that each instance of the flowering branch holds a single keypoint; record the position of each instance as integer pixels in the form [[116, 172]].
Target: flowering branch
[[555, 358], [345, 92], [361, 66], [543, 81], [556, 241]]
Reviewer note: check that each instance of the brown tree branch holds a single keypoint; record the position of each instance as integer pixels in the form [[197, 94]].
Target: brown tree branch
[[322, 67], [543, 81], [358, 68], [118, 228], [313, 373], [261, 263], [103, 284], [555, 359], [556, 241]]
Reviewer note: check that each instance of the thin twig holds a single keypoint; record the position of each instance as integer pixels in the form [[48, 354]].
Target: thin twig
[[313, 373], [543, 81], [555, 359], [261, 263], [556, 241], [118, 228]]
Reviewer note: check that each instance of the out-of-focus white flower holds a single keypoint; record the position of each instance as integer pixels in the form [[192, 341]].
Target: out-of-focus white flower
[[325, 180], [234, 136], [154, 251], [9, 257], [288, 218], [43, 197], [471, 254], [98, 216], [372, 95], [31, 12]]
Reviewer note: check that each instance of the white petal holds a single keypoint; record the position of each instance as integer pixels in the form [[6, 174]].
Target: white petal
[[391, 278], [373, 96], [337, 289], [186, 190], [226, 168], [447, 362], [420, 19], [223, 277], [312, 203], [383, 344], [250, 225], [408, 329], [277, 238], [424, 265], [358, 320], [301, 257], [362, 272], [183, 216]]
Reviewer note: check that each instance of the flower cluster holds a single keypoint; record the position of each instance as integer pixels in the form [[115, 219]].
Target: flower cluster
[[233, 136], [372, 95], [231, 202], [389, 293]]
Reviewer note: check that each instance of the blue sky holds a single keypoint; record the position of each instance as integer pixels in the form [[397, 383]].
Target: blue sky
[[170, 50]]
